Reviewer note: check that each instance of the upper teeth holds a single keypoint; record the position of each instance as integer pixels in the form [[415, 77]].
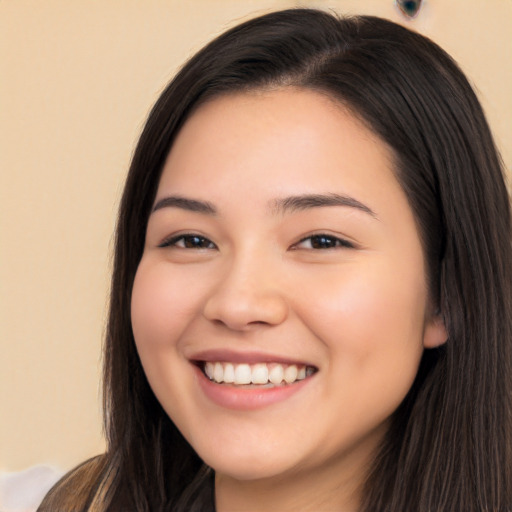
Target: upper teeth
[[260, 373]]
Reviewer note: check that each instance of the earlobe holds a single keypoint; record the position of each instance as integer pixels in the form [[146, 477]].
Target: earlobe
[[435, 333]]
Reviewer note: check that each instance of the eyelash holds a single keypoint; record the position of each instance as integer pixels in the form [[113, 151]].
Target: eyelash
[[328, 242]]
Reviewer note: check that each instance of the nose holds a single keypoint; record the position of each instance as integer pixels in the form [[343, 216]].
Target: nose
[[246, 294]]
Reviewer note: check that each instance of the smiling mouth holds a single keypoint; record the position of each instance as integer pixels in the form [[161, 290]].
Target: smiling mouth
[[255, 375]]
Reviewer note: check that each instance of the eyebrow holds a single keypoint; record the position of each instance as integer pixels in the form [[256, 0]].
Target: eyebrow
[[283, 205], [307, 201], [192, 205]]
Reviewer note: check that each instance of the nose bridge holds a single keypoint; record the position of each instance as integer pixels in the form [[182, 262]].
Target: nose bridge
[[247, 291]]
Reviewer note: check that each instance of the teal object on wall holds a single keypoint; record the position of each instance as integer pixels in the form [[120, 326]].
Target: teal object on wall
[[409, 7]]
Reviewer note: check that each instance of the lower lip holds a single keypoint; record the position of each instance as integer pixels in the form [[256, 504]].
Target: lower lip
[[246, 399]]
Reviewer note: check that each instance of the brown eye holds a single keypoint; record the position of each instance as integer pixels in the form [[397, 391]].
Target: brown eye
[[323, 241], [189, 242]]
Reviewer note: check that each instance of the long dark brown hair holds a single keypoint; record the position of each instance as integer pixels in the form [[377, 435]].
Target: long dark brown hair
[[449, 447]]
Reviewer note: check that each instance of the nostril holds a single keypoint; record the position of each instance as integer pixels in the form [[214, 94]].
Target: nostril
[[243, 311]]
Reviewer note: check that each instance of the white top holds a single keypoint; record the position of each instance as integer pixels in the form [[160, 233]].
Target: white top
[[23, 491]]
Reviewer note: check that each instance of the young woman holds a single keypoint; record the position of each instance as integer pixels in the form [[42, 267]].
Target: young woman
[[311, 295]]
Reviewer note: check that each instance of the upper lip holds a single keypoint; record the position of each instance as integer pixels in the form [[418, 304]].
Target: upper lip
[[248, 357]]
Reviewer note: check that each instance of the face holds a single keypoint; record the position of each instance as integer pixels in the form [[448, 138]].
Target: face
[[280, 308]]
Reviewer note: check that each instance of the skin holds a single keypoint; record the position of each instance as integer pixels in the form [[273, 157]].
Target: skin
[[359, 311]]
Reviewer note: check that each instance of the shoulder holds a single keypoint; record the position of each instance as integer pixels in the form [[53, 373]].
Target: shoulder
[[74, 491]]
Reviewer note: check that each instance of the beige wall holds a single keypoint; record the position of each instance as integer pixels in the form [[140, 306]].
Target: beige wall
[[76, 81]]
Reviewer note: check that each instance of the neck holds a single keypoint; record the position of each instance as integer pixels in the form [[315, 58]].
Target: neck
[[307, 491]]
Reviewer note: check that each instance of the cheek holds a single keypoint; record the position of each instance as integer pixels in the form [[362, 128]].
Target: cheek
[[162, 307], [162, 304], [371, 322]]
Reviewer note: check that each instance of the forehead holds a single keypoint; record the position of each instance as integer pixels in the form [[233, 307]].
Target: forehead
[[284, 141]]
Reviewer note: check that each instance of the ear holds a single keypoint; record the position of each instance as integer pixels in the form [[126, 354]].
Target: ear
[[435, 333]]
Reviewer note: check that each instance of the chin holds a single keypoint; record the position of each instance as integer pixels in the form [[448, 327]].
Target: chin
[[247, 472], [247, 466]]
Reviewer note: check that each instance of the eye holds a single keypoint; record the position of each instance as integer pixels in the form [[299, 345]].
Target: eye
[[188, 241], [323, 241]]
